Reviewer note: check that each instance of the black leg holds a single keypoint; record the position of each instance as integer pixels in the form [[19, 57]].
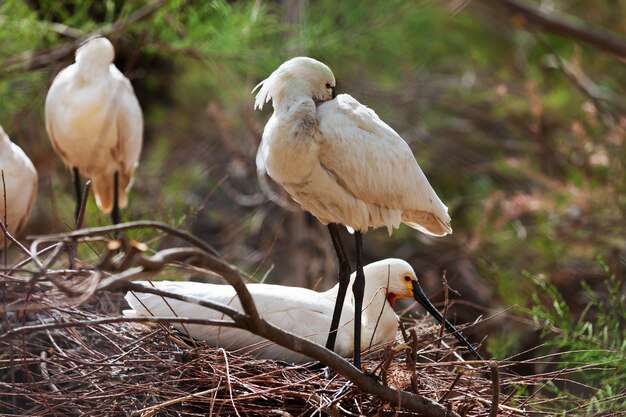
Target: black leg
[[344, 281], [358, 288], [77, 191], [115, 213]]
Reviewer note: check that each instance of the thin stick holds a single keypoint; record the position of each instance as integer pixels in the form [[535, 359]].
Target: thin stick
[[149, 411], [5, 229], [451, 387], [495, 388], [228, 382], [444, 314]]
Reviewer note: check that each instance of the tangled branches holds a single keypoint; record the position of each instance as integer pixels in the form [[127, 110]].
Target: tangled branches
[[51, 303]]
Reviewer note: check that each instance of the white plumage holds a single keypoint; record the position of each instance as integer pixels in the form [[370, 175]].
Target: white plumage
[[301, 311], [94, 121], [338, 159], [20, 182], [340, 162]]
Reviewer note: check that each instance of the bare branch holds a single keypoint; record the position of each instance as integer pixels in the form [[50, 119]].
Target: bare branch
[[495, 388], [564, 26], [144, 224], [33, 60]]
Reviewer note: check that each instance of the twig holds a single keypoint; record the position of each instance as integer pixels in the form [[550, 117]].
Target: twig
[[5, 228], [412, 361], [228, 383], [143, 224], [495, 388], [563, 26], [44, 371], [444, 313], [30, 61], [150, 411], [449, 390]]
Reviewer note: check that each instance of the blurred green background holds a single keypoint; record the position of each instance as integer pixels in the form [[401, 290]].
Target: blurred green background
[[520, 132]]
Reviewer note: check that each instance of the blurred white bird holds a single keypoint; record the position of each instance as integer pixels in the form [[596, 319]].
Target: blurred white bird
[[20, 182], [300, 311], [340, 162], [95, 124]]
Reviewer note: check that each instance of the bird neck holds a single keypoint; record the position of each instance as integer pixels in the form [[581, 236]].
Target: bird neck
[[91, 70], [374, 300], [292, 100]]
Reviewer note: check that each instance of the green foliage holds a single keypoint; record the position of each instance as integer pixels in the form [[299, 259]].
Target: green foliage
[[592, 344]]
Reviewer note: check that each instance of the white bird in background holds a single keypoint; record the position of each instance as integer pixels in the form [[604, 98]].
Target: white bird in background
[[20, 183], [300, 311], [340, 162], [95, 124]]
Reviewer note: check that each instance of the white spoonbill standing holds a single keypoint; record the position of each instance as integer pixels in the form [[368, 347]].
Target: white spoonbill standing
[[95, 124], [340, 162], [20, 184], [300, 311]]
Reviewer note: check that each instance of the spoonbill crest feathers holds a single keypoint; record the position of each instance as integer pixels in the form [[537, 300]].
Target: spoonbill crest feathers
[[303, 75]]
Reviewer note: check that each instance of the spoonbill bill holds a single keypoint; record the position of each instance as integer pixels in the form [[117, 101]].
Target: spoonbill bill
[[300, 311], [343, 164], [20, 185], [95, 124]]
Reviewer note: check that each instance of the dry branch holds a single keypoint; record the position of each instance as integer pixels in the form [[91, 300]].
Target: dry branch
[[34, 60], [565, 27]]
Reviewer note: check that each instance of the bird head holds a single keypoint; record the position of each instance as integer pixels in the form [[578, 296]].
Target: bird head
[[395, 274], [401, 282], [302, 75], [95, 50]]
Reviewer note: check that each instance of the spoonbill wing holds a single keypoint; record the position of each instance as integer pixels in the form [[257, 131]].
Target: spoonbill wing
[[374, 164], [303, 312]]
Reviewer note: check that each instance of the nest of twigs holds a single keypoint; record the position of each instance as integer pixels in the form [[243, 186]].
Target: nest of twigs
[[66, 351]]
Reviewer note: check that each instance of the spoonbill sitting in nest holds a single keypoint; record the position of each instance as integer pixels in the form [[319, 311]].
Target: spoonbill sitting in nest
[[300, 311], [343, 164], [19, 186], [95, 124]]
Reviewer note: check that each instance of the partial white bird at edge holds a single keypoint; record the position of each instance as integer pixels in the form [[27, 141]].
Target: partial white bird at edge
[[20, 184]]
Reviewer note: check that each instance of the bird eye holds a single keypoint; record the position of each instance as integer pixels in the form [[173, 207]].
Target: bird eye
[[407, 278], [328, 85]]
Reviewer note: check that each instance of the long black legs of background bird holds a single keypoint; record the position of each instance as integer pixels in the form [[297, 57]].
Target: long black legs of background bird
[[358, 289], [115, 213], [77, 191], [344, 281], [421, 298]]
